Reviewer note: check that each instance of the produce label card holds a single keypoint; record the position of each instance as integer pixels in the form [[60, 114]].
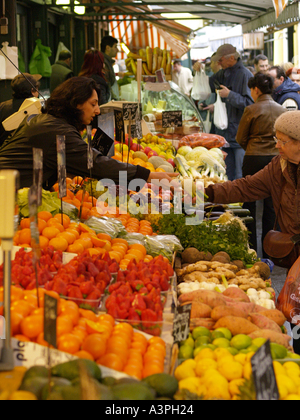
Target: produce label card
[[119, 125], [61, 165], [181, 327], [38, 172], [50, 316], [130, 110], [171, 119], [102, 142], [263, 374]]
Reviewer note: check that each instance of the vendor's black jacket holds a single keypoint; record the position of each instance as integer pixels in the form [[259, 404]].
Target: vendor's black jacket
[[40, 132], [8, 108]]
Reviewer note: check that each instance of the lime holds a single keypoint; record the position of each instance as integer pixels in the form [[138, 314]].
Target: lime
[[278, 351], [291, 355], [233, 351], [217, 334], [203, 346], [189, 341], [202, 340], [226, 332], [241, 341], [253, 348], [185, 352], [221, 342], [200, 332], [258, 342], [245, 351]]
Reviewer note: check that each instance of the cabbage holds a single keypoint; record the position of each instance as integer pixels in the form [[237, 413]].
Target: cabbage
[[50, 202], [196, 153], [183, 150]]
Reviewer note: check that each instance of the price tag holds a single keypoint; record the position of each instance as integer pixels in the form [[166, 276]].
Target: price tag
[[171, 119], [102, 142], [50, 316], [263, 374], [119, 125], [107, 126], [90, 156], [130, 110], [61, 165], [38, 173], [181, 326]]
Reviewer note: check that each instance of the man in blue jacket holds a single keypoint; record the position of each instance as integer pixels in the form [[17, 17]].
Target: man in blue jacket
[[285, 90], [232, 83]]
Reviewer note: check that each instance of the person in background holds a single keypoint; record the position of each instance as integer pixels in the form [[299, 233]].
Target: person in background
[[232, 81], [294, 74], [109, 48], [21, 90], [93, 67], [285, 91], [256, 136], [280, 179], [61, 70], [71, 107], [261, 63], [183, 77]]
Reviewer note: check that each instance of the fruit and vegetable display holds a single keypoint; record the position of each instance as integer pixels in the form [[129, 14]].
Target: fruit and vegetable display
[[152, 59]]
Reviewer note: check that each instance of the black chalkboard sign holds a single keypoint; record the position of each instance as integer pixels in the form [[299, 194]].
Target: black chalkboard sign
[[50, 316], [102, 142], [263, 374], [181, 325], [171, 119], [119, 126], [130, 107]]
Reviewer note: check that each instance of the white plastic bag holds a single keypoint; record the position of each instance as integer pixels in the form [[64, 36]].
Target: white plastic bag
[[61, 47], [201, 89], [11, 71], [207, 123], [220, 113]]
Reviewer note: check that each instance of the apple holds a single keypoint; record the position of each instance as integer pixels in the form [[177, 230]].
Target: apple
[[152, 153], [134, 147], [172, 162], [147, 150], [118, 147]]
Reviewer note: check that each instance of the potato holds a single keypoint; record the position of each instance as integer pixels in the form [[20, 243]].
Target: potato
[[222, 257], [208, 297], [237, 294], [221, 311], [192, 255], [263, 322], [200, 310], [236, 325], [274, 315], [273, 336], [202, 322]]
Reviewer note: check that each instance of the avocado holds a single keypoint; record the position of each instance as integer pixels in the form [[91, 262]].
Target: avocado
[[165, 385], [35, 371], [56, 385], [133, 391], [70, 370], [109, 381], [34, 385]]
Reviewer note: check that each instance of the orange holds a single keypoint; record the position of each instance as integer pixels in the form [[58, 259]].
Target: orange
[[74, 231], [40, 340], [94, 344], [97, 242], [15, 321], [45, 215], [85, 241], [119, 249], [72, 313], [148, 258], [86, 313], [69, 343], [22, 307], [69, 236], [122, 334], [138, 255], [85, 213], [106, 317], [77, 248], [119, 240], [21, 337], [124, 326], [55, 223], [59, 244], [116, 342], [107, 245], [38, 311], [64, 325], [154, 340], [32, 299], [77, 180], [25, 223], [154, 358], [149, 370], [112, 361], [134, 371], [96, 328], [44, 242], [82, 354], [32, 326], [115, 255], [41, 225], [139, 247], [63, 219], [104, 236], [157, 347], [50, 232], [16, 293], [80, 333], [25, 236], [80, 194]]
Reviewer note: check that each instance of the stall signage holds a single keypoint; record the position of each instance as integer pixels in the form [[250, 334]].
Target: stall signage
[[171, 119], [130, 111], [102, 142], [50, 316], [61, 165], [119, 126], [38, 172], [181, 326], [263, 374]]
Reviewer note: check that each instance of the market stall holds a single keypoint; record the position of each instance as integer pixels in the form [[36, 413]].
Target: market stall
[[116, 294]]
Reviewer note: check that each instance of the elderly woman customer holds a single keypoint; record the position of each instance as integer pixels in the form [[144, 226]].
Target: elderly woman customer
[[256, 136]]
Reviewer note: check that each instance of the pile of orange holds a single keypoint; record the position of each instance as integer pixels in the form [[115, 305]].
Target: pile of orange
[[86, 335], [123, 253], [132, 224]]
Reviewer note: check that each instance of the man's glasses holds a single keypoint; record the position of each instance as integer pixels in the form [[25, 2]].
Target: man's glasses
[[283, 143]]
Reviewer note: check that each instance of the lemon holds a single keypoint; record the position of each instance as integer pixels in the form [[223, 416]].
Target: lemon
[[283, 391], [191, 384], [203, 365], [234, 386], [292, 366], [205, 354], [185, 370], [253, 348], [200, 332], [291, 355], [221, 342], [22, 396], [226, 332], [258, 342], [241, 358], [278, 369], [294, 376], [233, 351], [217, 386], [189, 341], [185, 352], [241, 341], [292, 397], [247, 370], [249, 356], [225, 360], [287, 383], [221, 352], [232, 370]]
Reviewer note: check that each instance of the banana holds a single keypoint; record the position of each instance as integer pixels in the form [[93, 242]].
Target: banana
[[164, 60], [133, 56], [146, 69], [169, 63], [149, 53], [133, 66]]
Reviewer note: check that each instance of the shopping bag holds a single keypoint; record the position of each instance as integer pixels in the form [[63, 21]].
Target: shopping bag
[[39, 62], [207, 123], [288, 301], [61, 47], [201, 89], [220, 113], [11, 67]]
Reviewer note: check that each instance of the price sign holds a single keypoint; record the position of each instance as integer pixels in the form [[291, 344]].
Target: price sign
[[50, 316], [171, 119], [181, 326], [263, 374], [102, 142], [106, 124], [38, 172], [61, 165], [130, 110], [119, 125], [90, 155]]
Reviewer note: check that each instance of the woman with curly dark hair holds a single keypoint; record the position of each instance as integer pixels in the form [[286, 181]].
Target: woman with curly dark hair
[[93, 67], [72, 106]]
